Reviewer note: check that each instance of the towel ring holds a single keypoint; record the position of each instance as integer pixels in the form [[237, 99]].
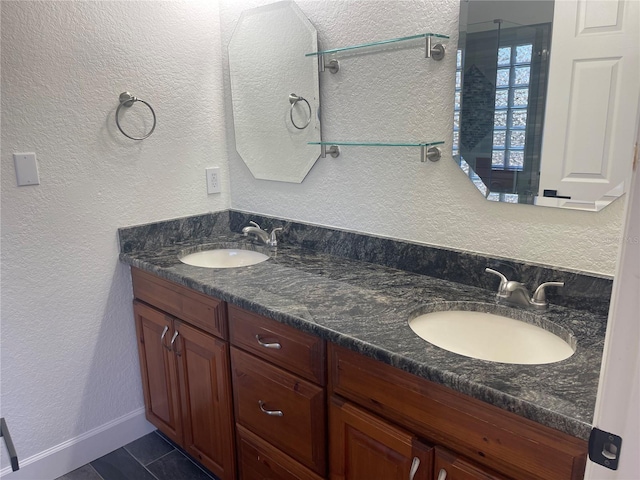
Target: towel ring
[[293, 99], [126, 100]]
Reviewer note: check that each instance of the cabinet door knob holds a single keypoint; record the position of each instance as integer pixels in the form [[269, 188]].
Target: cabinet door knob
[[442, 475], [414, 468], [273, 413], [275, 345]]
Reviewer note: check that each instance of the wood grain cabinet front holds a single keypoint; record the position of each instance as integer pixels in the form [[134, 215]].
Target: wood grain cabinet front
[[279, 378], [281, 408], [259, 460], [364, 446], [186, 372], [280, 344], [159, 370], [495, 439]]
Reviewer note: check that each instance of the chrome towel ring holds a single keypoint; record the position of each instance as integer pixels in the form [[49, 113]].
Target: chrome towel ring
[[126, 100], [293, 100]]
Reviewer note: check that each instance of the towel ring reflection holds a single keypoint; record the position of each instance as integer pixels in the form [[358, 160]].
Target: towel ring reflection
[[293, 99], [126, 100]]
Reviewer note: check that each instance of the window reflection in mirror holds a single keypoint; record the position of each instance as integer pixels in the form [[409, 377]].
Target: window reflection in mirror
[[502, 67]]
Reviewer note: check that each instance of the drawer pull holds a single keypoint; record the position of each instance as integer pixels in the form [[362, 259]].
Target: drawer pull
[[164, 332], [273, 413], [414, 468], [442, 475], [276, 345], [173, 339]]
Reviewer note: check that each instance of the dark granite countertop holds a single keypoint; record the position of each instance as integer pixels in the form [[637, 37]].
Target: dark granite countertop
[[365, 307]]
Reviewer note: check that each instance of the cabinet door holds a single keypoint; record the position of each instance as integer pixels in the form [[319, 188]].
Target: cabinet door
[[449, 466], [203, 370], [364, 446], [158, 368]]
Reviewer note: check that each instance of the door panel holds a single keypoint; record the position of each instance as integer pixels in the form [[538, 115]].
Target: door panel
[[158, 369], [364, 446], [203, 362]]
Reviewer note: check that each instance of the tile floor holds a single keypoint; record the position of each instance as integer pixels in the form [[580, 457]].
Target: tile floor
[[148, 458]]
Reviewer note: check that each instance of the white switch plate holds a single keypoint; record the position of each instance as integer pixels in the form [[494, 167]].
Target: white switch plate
[[213, 179], [26, 169]]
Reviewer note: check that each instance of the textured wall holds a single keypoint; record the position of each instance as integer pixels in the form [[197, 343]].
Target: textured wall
[[69, 361], [386, 191]]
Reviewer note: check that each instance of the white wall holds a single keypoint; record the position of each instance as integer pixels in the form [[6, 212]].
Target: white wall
[[386, 191], [69, 359]]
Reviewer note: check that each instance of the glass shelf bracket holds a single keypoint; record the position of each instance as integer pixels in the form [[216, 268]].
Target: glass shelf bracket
[[434, 51], [428, 150]]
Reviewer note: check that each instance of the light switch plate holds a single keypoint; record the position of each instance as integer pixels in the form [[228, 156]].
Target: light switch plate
[[26, 169]]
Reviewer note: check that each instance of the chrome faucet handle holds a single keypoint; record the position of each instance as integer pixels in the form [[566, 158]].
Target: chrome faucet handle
[[502, 288], [539, 298], [254, 224], [273, 241]]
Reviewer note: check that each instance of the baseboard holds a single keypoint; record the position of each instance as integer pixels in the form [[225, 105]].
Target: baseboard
[[78, 451]]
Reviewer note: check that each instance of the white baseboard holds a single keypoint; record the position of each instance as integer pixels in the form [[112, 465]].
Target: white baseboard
[[78, 451]]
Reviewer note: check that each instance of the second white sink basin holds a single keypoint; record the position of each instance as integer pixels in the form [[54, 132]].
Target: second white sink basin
[[224, 258], [487, 336]]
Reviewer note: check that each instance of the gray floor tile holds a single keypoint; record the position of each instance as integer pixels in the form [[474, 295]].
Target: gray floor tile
[[120, 465], [149, 448], [175, 466], [85, 472]]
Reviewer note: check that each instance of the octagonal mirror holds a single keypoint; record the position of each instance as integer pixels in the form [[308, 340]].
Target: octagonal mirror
[[275, 92]]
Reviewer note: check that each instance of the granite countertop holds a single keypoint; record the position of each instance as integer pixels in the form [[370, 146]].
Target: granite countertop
[[365, 307]]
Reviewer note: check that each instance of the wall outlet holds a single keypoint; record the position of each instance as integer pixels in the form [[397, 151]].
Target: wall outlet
[[213, 179]]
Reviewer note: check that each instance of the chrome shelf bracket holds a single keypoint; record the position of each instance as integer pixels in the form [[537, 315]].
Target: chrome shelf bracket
[[333, 65], [433, 51], [430, 153], [333, 150]]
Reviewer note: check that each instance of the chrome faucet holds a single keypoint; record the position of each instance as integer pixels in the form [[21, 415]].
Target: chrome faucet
[[515, 293], [264, 237]]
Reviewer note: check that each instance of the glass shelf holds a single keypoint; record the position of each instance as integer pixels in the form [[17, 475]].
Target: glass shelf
[[373, 44], [380, 144], [428, 150]]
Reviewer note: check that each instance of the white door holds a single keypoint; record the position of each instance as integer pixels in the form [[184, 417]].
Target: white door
[[618, 403], [591, 113]]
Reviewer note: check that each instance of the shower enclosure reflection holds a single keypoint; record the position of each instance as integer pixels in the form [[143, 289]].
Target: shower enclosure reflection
[[501, 80]]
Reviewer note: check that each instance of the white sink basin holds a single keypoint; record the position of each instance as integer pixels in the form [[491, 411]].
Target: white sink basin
[[487, 336], [224, 258]]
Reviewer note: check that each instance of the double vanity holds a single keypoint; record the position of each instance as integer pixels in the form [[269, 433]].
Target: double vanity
[[306, 360]]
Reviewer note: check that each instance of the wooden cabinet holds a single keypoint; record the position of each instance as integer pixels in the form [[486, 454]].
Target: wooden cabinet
[[493, 438], [186, 377], [365, 447], [205, 388], [278, 374], [159, 370]]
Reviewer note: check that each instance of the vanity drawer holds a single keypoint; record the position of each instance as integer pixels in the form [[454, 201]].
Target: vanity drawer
[[258, 460], [512, 445], [280, 407], [202, 311], [298, 352]]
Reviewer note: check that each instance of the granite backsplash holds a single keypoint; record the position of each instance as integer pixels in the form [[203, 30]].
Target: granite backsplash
[[582, 291]]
